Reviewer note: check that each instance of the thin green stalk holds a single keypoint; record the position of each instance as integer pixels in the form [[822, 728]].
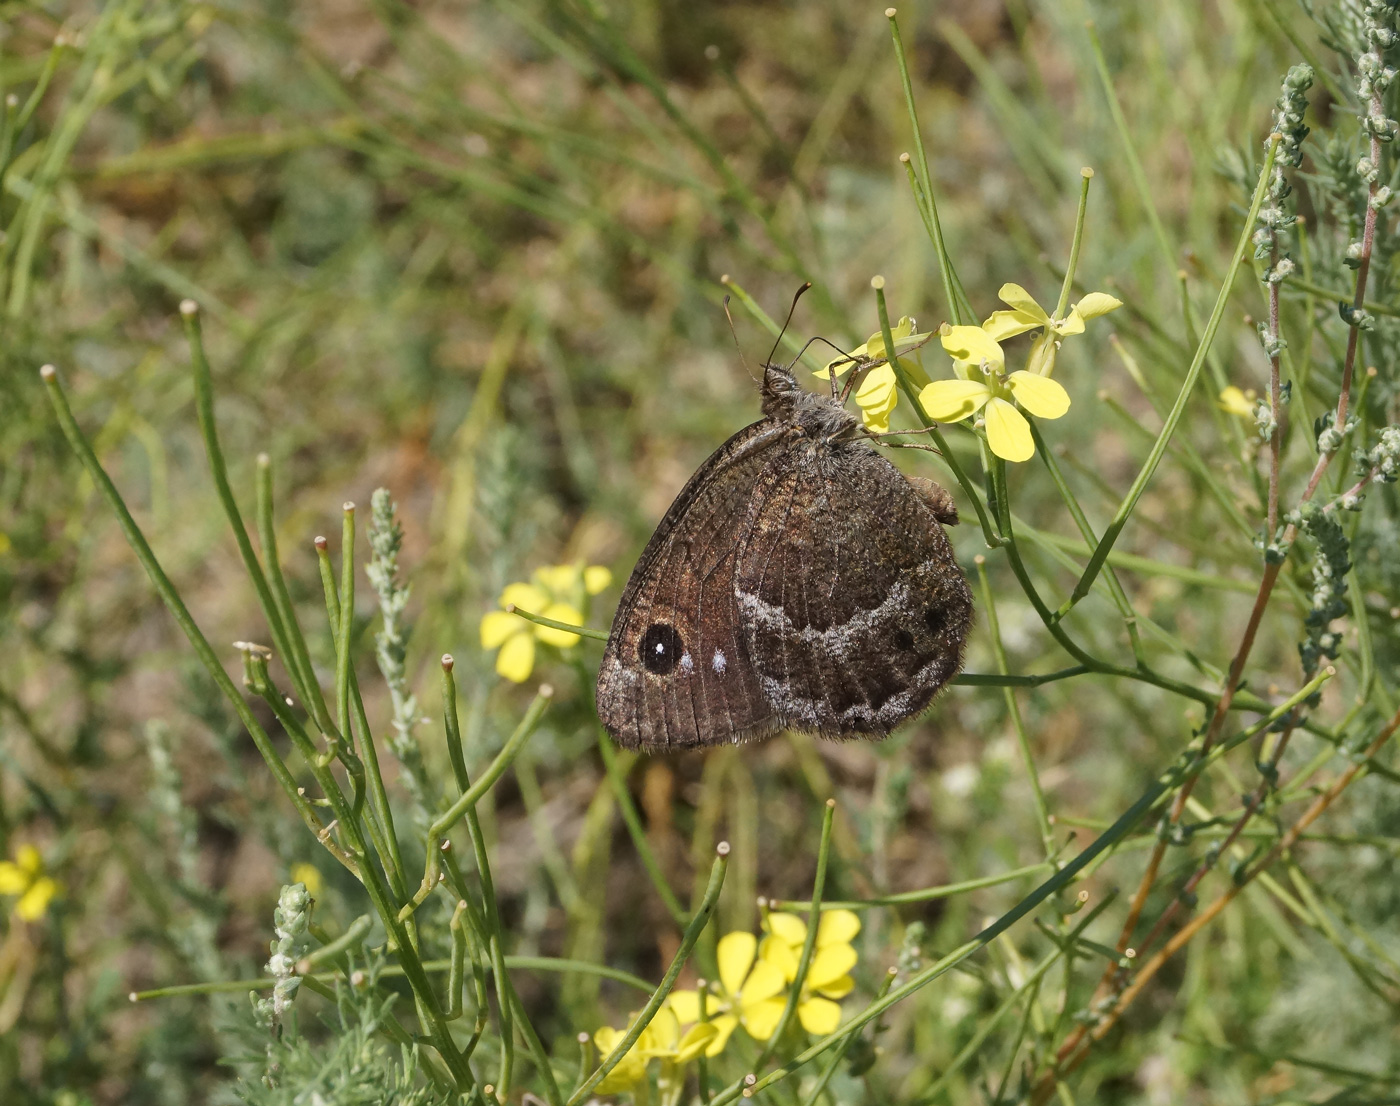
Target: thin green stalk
[[540, 620], [1042, 812], [839, 1052], [466, 802], [927, 894], [1159, 448], [452, 726], [298, 661], [166, 590], [987, 679], [617, 779], [418, 980], [809, 943], [974, 1044], [1062, 304], [208, 428], [698, 922], [1107, 840], [906, 385], [958, 306], [1125, 138]]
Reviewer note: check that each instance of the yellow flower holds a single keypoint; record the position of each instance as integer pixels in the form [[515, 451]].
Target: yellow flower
[[661, 1039], [983, 383], [24, 876], [749, 994], [879, 391], [828, 975], [559, 592], [1237, 402], [1026, 314], [309, 876]]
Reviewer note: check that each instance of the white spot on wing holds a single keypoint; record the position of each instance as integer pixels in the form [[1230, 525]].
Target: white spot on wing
[[718, 663], [687, 665]]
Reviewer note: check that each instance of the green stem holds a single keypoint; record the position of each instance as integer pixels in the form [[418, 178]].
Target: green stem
[[1085, 175], [1042, 813], [809, 943], [617, 778], [958, 306], [1159, 447], [697, 925], [906, 385]]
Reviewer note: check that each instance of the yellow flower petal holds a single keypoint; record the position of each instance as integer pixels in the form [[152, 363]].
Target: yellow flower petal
[[526, 596], [1097, 303], [698, 1039], [1041, 359], [561, 612], [735, 953], [1008, 432], [606, 1038], [1073, 323], [838, 988], [1237, 402], [837, 927], [29, 859], [972, 343], [786, 927], [829, 965], [1018, 299], [765, 981], [686, 1005], [516, 660], [13, 879], [498, 625], [35, 901], [596, 579], [762, 1019], [953, 400], [877, 389], [724, 1025], [662, 1034], [556, 579], [1041, 396], [776, 951], [1001, 325], [819, 1016]]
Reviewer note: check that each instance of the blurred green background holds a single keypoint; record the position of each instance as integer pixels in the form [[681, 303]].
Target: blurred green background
[[471, 252]]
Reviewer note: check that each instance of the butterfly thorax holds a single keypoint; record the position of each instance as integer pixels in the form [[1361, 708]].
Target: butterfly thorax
[[815, 415]]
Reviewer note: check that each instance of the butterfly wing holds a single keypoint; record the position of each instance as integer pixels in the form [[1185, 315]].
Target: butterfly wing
[[675, 672], [853, 603]]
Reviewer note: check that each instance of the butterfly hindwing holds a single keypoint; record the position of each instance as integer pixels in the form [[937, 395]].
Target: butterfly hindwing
[[850, 595]]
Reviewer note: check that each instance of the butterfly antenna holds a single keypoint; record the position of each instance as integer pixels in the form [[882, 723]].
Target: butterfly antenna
[[791, 310], [735, 334]]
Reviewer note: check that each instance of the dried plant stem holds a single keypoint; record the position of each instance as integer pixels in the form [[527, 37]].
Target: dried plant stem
[[1266, 586], [1068, 1062]]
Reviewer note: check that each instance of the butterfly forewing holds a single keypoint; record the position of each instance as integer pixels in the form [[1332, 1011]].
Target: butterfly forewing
[[676, 671]]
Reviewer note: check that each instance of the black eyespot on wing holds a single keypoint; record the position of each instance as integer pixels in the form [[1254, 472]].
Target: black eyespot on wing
[[660, 648], [935, 620], [903, 638]]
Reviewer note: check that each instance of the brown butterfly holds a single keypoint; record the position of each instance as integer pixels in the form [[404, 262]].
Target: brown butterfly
[[799, 581]]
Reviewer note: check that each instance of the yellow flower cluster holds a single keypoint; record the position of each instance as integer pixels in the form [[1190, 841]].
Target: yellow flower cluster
[[755, 977], [982, 383], [557, 592], [24, 876]]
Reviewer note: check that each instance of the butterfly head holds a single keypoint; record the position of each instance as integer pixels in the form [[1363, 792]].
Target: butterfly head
[[786, 401]]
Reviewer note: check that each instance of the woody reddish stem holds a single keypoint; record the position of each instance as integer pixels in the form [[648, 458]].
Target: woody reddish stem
[[1068, 1062], [1261, 600]]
